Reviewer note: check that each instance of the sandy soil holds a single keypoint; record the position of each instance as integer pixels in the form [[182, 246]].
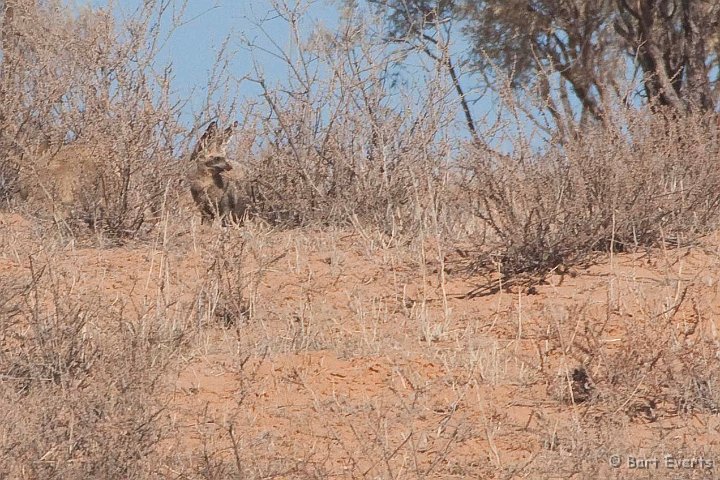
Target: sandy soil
[[324, 354]]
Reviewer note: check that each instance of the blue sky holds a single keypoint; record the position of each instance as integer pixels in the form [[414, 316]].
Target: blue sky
[[208, 23]]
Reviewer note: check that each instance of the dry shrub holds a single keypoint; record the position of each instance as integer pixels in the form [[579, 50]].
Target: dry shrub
[[236, 263], [9, 183], [341, 145], [305, 178], [668, 364], [80, 382], [225, 295], [87, 124], [659, 376], [664, 367], [654, 182]]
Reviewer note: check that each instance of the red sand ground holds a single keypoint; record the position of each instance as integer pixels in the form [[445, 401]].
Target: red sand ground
[[357, 361]]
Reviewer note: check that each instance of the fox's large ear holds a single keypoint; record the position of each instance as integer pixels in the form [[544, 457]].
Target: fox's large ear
[[209, 133], [205, 140], [229, 132]]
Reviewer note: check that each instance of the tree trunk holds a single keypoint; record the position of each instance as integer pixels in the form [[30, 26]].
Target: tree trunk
[[698, 86]]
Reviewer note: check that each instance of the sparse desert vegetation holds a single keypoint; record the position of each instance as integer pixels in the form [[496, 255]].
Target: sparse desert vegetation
[[413, 293]]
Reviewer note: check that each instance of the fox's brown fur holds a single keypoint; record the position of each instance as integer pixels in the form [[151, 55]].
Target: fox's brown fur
[[215, 192]]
